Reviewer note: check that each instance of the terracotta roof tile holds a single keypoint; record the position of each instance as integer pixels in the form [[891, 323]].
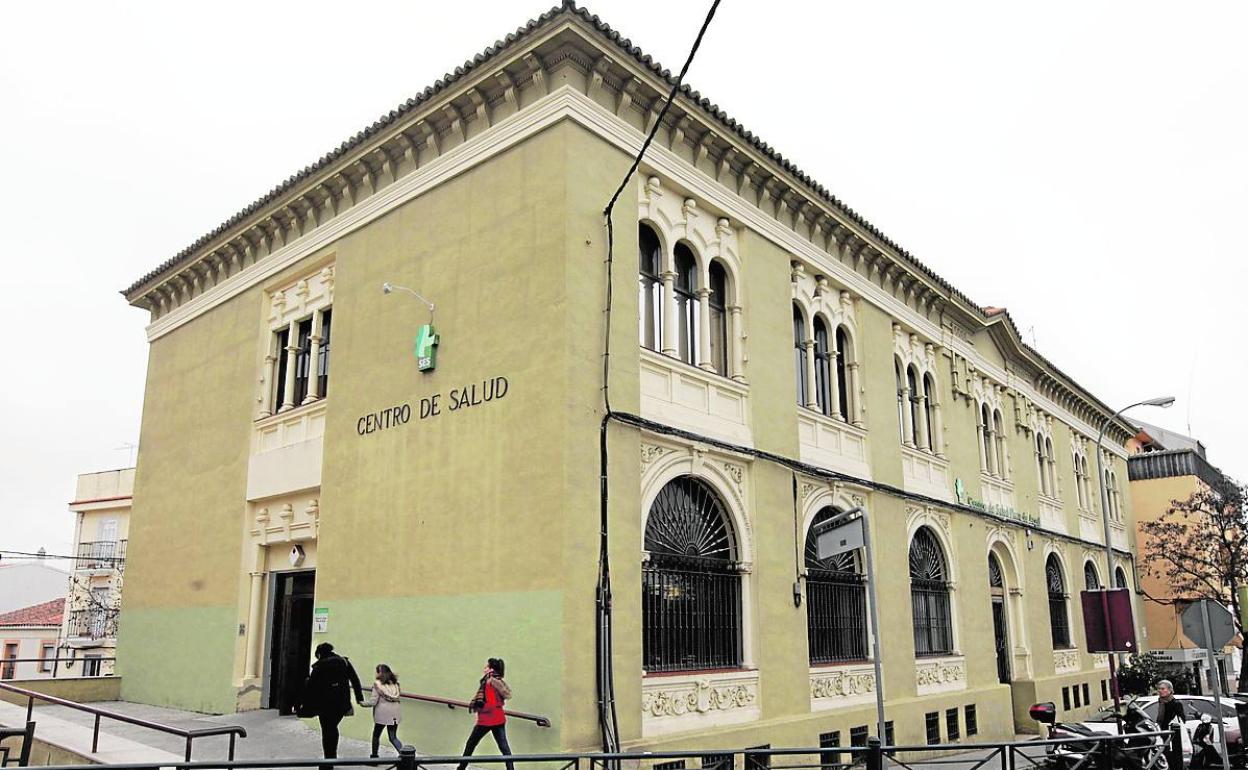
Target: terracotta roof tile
[[46, 614]]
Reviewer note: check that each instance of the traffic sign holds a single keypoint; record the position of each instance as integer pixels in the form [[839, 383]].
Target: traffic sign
[[1221, 625]]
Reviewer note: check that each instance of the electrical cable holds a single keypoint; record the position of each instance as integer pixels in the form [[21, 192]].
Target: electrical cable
[[607, 720], [28, 556]]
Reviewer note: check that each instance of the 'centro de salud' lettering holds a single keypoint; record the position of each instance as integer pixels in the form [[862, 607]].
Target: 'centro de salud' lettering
[[431, 406]]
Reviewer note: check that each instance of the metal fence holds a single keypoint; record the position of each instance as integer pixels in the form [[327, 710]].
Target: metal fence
[[1099, 753], [93, 623], [101, 554]]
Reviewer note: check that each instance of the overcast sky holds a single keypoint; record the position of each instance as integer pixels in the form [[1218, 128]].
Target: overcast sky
[[1082, 163]]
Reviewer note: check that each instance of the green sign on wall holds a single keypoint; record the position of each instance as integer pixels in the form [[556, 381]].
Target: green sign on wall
[[426, 348]]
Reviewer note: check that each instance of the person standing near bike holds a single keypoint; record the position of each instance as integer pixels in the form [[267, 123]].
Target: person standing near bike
[[1170, 708]]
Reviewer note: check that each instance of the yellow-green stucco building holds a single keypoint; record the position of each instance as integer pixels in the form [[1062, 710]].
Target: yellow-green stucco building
[[303, 476]]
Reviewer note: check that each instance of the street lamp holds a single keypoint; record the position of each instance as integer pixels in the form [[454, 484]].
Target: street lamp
[[390, 288], [1163, 402]]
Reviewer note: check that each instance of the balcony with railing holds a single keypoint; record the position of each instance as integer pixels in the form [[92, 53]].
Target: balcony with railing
[[93, 624], [102, 554]]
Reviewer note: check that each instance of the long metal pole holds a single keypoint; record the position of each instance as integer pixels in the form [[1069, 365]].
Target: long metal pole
[[1215, 683], [875, 627]]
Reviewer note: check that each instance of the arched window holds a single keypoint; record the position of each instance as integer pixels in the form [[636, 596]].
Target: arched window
[[1091, 580], [985, 430], [902, 395], [929, 595], [650, 299], [799, 355], [1120, 577], [717, 303], [836, 606], [691, 591], [912, 382], [1051, 461], [687, 310], [823, 368], [1043, 476], [929, 405], [998, 427], [1059, 621], [843, 354]]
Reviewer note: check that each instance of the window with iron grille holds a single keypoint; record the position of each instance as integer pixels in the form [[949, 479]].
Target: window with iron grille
[[1059, 621], [929, 595], [951, 724], [758, 761], [1066, 698], [836, 605], [1091, 580], [717, 762], [677, 764], [1075, 695], [1104, 690], [829, 759], [1087, 699], [858, 735], [691, 587], [932, 720], [972, 720]]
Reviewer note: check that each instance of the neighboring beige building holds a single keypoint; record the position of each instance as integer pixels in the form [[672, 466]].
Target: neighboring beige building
[[774, 358], [27, 634], [1166, 466], [102, 507]]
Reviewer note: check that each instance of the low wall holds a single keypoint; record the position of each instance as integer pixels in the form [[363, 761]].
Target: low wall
[[83, 689]]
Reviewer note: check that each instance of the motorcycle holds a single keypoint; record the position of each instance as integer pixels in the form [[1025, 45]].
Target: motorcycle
[[1146, 752]]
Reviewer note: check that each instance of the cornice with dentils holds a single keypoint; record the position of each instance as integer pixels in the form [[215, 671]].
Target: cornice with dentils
[[505, 78]]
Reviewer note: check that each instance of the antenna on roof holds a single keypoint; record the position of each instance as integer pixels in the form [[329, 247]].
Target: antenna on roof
[[1032, 329]]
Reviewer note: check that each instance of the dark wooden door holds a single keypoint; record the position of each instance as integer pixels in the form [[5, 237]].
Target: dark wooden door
[[1002, 640], [291, 651]]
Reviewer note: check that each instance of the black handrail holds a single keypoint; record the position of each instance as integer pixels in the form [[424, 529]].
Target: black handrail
[[538, 719], [234, 731]]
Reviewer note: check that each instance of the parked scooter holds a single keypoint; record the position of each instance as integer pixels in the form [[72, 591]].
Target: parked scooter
[[1142, 753]]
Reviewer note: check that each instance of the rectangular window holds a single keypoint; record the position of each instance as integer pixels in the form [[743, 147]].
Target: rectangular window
[[932, 725], [858, 736], [758, 761], [717, 762], [1087, 699], [951, 724], [303, 360], [91, 665], [322, 362], [47, 651], [829, 759], [9, 670], [678, 764], [1104, 690], [972, 721], [1075, 694], [304, 376], [1066, 698]]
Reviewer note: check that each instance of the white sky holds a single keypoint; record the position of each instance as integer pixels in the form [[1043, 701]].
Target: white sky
[[1082, 163]]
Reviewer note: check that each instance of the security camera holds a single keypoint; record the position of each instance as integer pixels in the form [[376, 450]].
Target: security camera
[[387, 287]]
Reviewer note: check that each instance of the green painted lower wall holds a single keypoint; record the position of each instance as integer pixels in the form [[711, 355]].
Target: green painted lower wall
[[178, 657], [438, 645]]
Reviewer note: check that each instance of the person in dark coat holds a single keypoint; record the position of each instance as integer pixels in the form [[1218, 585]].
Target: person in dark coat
[[327, 695], [1170, 708]]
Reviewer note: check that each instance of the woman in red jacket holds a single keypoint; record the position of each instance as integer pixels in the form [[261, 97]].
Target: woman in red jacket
[[488, 705]]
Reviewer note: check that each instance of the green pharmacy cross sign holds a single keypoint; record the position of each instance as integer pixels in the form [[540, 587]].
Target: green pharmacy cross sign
[[426, 348]]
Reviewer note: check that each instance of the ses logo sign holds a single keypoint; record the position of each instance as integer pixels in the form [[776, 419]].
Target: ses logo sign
[[426, 348]]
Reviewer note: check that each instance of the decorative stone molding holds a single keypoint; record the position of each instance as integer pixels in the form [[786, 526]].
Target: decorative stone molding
[[840, 686], [650, 453], [680, 703], [1065, 661], [937, 675], [917, 516]]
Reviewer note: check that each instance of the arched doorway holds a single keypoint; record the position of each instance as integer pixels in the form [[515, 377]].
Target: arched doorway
[[1000, 626]]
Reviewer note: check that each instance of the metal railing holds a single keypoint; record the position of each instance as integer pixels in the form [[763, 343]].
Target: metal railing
[[1108, 751], [538, 719], [101, 554], [6, 663], [92, 623], [233, 731]]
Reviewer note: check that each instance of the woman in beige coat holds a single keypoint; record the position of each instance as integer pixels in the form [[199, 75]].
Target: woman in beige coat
[[386, 707]]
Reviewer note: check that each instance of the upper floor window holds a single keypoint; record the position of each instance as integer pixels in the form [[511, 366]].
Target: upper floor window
[[1114, 501], [823, 367], [650, 288], [836, 607], [1046, 466], [1082, 494], [718, 317], [688, 312], [929, 595], [691, 588], [844, 365], [297, 360], [799, 356], [1059, 620]]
